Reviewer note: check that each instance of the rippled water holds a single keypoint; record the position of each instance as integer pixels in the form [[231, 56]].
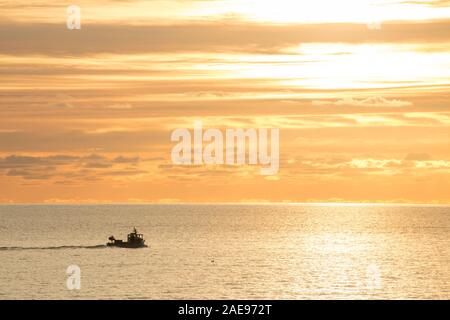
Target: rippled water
[[227, 251]]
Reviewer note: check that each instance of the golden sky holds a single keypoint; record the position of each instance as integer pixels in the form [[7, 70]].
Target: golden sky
[[359, 89]]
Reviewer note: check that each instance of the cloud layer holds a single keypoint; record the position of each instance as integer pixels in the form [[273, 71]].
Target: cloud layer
[[86, 115]]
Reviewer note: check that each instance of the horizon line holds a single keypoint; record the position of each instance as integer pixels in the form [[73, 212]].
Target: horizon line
[[228, 203]]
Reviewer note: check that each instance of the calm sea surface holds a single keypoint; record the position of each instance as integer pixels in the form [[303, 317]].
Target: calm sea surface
[[227, 251]]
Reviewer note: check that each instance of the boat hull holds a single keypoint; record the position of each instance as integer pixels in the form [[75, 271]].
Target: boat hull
[[127, 245]]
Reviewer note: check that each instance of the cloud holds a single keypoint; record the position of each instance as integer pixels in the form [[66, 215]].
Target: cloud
[[61, 105], [50, 139], [47, 38], [97, 165], [368, 102], [418, 157], [68, 167], [130, 160], [430, 3], [119, 106]]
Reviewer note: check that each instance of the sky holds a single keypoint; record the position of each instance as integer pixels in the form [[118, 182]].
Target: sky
[[359, 90]]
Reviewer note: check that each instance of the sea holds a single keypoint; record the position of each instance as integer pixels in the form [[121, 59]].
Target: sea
[[226, 251]]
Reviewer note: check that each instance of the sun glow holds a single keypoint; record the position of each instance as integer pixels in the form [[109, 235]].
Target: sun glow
[[359, 11], [267, 11], [339, 66]]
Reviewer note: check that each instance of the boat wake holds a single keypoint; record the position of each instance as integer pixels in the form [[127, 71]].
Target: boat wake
[[100, 246]]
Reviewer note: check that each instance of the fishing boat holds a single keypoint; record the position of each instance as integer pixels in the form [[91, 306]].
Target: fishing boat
[[134, 240]]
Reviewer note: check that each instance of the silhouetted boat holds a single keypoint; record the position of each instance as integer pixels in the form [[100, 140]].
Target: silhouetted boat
[[135, 240]]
